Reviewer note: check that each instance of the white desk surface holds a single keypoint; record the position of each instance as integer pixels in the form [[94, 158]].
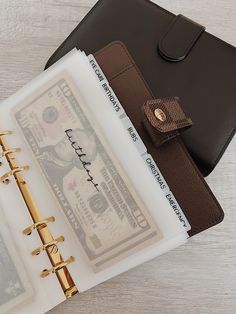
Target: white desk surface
[[199, 278]]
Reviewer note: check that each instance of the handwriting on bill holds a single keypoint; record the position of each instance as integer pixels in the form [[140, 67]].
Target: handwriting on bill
[[108, 217], [81, 155]]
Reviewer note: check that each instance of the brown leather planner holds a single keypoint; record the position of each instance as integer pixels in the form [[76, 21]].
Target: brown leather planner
[[159, 122], [176, 57]]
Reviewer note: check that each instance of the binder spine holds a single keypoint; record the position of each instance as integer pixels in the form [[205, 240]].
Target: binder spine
[[40, 224]]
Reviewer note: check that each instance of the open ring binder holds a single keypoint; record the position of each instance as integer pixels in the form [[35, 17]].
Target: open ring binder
[[10, 151], [38, 225], [52, 246], [2, 133], [5, 178], [47, 272], [49, 244]]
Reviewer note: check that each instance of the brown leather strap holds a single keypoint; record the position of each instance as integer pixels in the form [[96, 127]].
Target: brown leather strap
[[164, 119], [177, 50], [184, 179]]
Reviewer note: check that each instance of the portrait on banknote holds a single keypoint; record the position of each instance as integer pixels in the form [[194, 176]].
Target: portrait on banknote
[[59, 159], [108, 218]]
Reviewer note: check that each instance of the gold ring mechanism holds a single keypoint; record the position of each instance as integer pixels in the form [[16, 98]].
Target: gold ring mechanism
[[5, 178], [10, 151], [53, 270], [49, 244], [51, 247], [2, 133], [38, 225]]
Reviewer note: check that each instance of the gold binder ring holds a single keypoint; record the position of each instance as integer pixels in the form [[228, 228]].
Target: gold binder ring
[[10, 151], [38, 225], [2, 133], [47, 272], [5, 178], [51, 247]]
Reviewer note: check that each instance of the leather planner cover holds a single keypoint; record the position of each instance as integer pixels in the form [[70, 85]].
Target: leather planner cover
[[168, 151], [177, 57]]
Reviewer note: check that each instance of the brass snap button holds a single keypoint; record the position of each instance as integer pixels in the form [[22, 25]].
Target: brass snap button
[[160, 115]]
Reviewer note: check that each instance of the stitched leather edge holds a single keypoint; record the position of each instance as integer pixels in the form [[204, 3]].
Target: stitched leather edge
[[117, 42]]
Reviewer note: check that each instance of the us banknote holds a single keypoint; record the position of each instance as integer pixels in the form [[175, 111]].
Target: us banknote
[[14, 285], [102, 207]]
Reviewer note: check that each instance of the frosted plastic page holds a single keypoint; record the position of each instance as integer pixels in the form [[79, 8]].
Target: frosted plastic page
[[44, 294], [174, 235], [15, 286]]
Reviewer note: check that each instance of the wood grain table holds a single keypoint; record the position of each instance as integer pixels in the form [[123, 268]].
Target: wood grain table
[[199, 277]]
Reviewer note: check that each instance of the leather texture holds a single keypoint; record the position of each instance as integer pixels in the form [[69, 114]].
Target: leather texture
[[180, 38], [183, 177], [165, 119], [177, 58]]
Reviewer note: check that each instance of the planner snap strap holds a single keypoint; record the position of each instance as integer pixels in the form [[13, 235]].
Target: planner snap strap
[[164, 119]]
